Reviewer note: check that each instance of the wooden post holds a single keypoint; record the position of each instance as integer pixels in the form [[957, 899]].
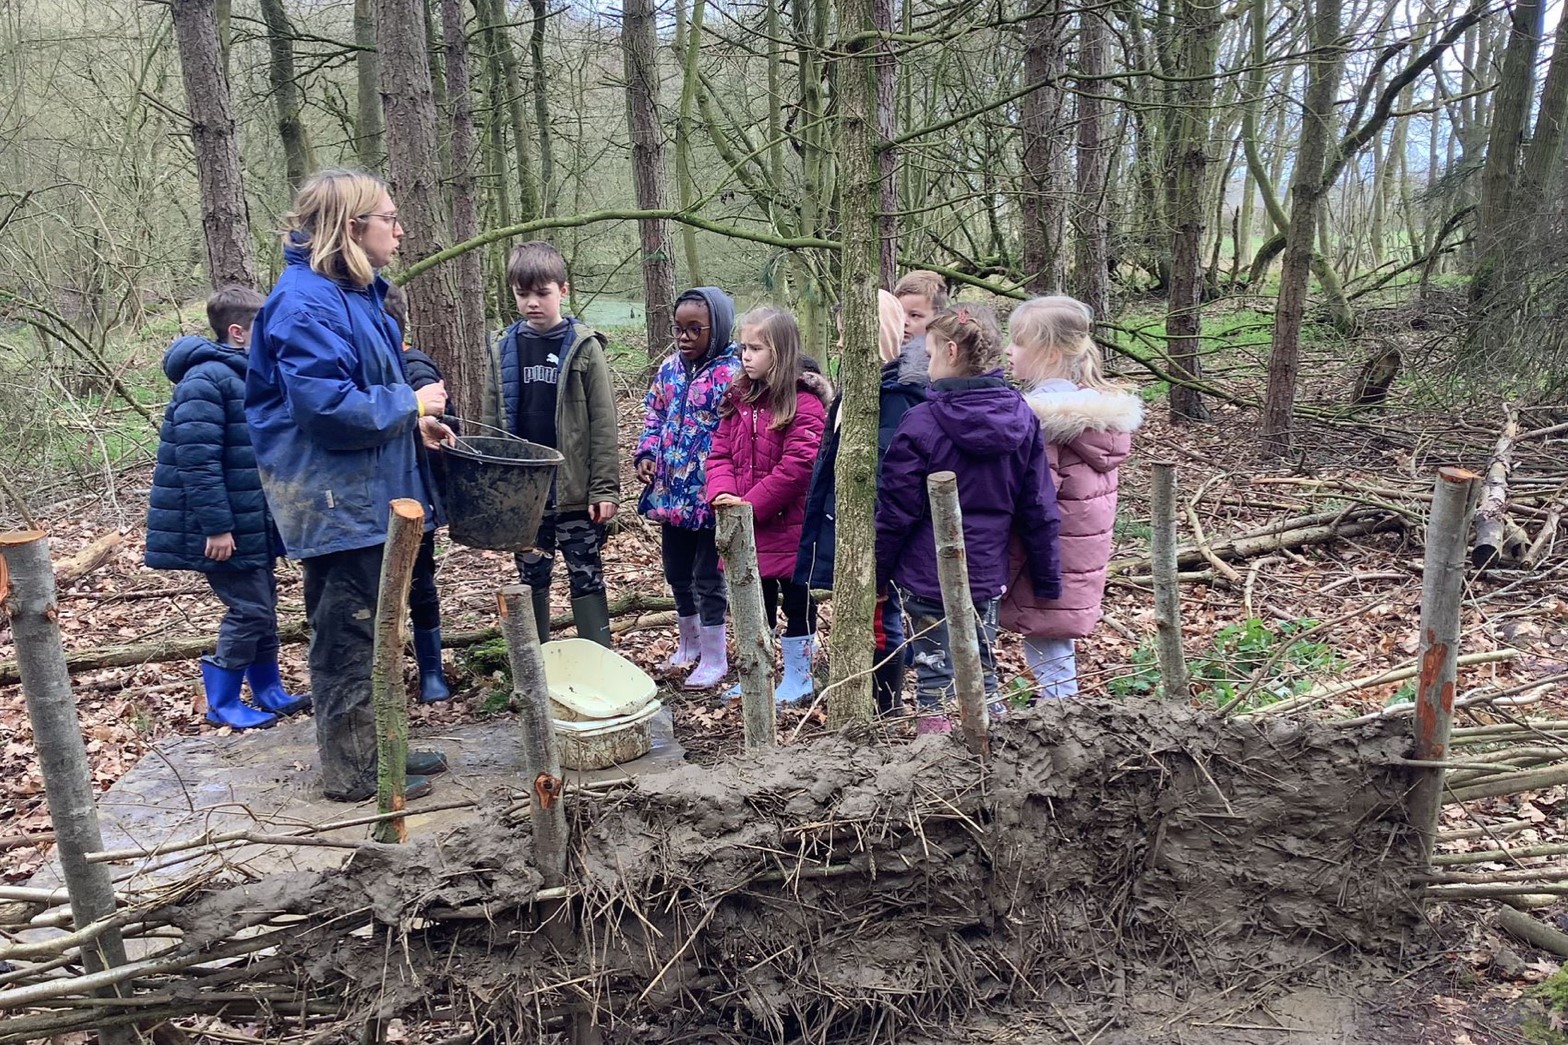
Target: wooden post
[[28, 597], [1175, 683], [753, 638], [405, 529], [541, 754], [963, 639], [1442, 591]]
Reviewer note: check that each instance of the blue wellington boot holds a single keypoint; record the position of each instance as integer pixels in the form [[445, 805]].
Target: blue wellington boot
[[266, 688], [224, 707], [427, 652], [797, 684]]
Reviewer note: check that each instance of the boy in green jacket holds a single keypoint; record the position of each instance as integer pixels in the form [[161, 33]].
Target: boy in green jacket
[[550, 384]]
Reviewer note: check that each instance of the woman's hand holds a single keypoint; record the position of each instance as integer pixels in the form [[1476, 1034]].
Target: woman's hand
[[433, 398], [434, 434], [727, 500]]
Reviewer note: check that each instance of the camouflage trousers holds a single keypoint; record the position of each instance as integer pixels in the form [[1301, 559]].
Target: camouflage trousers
[[580, 541]]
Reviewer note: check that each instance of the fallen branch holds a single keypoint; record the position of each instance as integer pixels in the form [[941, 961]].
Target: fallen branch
[[1240, 548], [1533, 931], [1511, 784], [1318, 694], [1491, 533], [1488, 856], [70, 570], [189, 647]]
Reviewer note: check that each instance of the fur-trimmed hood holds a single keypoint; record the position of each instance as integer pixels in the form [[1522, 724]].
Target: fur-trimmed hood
[[912, 364], [1096, 425], [817, 385]]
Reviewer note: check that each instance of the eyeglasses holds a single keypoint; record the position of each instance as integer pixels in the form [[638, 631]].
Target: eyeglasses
[[391, 219], [694, 331]]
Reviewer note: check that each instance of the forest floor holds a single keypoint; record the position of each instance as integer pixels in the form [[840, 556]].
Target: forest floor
[[1281, 626]]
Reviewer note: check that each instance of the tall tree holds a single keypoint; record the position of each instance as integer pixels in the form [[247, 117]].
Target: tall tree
[[1543, 158], [640, 54], [1499, 176], [859, 373], [528, 205], [408, 101], [1092, 224], [465, 200], [1307, 190], [887, 115], [370, 128], [225, 218], [539, 86], [297, 158], [688, 38], [1196, 45], [1043, 127]]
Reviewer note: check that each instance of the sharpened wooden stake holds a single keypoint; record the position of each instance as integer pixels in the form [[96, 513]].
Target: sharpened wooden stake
[[1175, 683], [541, 751], [737, 542], [963, 638], [57, 733], [1442, 593], [405, 529]]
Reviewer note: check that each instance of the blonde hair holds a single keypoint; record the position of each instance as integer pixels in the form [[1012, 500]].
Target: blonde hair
[[1065, 325], [974, 329], [321, 221], [925, 284], [890, 326], [777, 329]]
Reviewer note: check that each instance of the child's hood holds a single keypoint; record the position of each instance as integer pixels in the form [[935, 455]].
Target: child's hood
[[191, 351], [982, 415], [1097, 425], [721, 316], [912, 364], [812, 381]]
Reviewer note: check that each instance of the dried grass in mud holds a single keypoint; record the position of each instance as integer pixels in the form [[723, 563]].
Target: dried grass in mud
[[851, 891]]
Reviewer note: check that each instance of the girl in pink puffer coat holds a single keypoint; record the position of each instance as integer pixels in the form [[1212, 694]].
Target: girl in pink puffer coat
[[1088, 421], [770, 430]]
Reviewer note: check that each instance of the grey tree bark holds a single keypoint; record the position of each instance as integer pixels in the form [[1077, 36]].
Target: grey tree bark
[[370, 129], [539, 87], [225, 218], [1043, 127], [464, 185], [1092, 223], [405, 527], [737, 542], [435, 305], [639, 51], [297, 158], [1174, 680], [963, 639]]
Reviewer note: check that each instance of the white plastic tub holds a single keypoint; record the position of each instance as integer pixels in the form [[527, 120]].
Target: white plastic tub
[[606, 742], [591, 684]]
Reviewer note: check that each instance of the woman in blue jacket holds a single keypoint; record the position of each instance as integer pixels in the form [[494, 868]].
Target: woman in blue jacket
[[336, 428]]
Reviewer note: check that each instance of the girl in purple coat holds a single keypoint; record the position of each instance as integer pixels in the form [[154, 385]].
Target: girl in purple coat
[[1088, 421], [973, 424], [770, 429]]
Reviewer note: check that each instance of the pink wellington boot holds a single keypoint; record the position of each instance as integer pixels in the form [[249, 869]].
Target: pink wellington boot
[[715, 662]]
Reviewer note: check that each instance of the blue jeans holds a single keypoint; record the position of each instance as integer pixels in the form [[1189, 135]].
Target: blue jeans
[[249, 631], [934, 685]]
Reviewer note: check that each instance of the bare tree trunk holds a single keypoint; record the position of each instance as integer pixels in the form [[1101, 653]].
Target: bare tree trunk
[[297, 158], [1175, 683], [887, 88], [465, 195], [62, 756], [1094, 164], [1306, 197], [639, 49], [737, 542], [1543, 158], [435, 305], [527, 188], [437, 63], [405, 527], [1197, 35], [225, 218], [1499, 176], [539, 86], [370, 130], [958, 605], [860, 371], [1442, 593], [497, 161], [1044, 149], [688, 37]]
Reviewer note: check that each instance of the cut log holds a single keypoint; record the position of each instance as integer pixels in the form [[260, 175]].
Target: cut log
[[70, 570], [1533, 931], [737, 543], [189, 647], [1490, 528]]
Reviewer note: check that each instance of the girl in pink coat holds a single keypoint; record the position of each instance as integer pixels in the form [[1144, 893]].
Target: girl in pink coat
[[770, 428], [1087, 421]]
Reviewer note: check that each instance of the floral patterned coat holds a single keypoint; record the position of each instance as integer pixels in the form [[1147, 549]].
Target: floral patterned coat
[[681, 413]]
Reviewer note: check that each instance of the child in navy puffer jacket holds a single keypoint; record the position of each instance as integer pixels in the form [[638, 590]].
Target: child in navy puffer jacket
[[973, 424], [207, 512]]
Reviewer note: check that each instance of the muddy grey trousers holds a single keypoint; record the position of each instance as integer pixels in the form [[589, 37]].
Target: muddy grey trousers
[[933, 659], [340, 603]]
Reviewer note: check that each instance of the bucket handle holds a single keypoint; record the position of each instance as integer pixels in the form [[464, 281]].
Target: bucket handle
[[464, 421]]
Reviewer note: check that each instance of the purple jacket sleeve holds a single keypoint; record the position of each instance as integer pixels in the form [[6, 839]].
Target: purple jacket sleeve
[[1037, 522], [720, 466], [790, 479], [901, 499]]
